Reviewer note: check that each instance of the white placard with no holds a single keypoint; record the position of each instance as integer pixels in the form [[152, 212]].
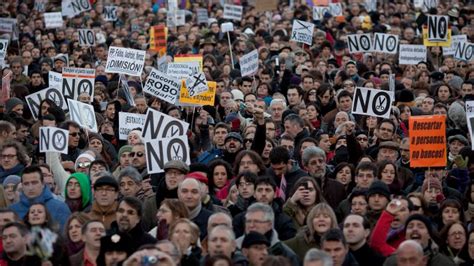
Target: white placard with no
[[72, 8], [110, 13], [386, 43], [372, 102], [159, 125], [464, 51], [410, 54], [125, 61], [77, 81], [54, 94], [438, 28], [160, 85], [53, 139], [455, 40], [302, 32], [83, 114], [3, 48], [249, 63], [359, 43], [159, 152], [86, 37], [128, 122], [319, 11]]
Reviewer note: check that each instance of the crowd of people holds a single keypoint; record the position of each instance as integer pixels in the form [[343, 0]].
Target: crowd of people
[[282, 171]]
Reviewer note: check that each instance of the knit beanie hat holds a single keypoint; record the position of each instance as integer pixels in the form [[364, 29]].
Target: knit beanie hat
[[11, 103], [95, 136], [430, 183], [423, 219], [378, 187], [125, 148], [85, 186], [12, 179]]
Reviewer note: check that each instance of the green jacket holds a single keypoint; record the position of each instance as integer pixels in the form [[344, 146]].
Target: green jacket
[[302, 242]]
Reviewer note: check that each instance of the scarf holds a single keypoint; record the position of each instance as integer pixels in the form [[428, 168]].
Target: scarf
[[74, 247], [13, 171], [75, 205], [194, 213]]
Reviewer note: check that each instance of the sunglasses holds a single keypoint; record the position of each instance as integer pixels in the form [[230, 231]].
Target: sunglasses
[[75, 134], [248, 140], [83, 165], [416, 208], [462, 66], [139, 154], [364, 139]]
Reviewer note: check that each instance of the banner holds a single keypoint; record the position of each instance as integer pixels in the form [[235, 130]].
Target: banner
[[72, 8], [464, 51], [3, 48], [372, 102], [83, 114], [302, 31], [86, 37], [359, 43], [54, 94], [411, 54], [53, 139], [249, 63], [233, 12], [128, 122], [53, 20], [158, 36], [455, 40], [428, 141], [77, 81], [162, 87], [125, 61], [206, 98], [160, 151], [55, 80], [386, 43], [110, 13], [159, 125]]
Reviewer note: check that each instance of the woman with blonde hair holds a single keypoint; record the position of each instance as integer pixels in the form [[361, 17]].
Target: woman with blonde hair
[[185, 235]]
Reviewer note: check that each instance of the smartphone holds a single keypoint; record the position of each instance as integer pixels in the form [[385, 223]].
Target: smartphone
[[305, 185]]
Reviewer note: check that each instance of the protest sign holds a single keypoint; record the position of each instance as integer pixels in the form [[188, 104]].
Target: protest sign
[[159, 152], [72, 8], [206, 98], [77, 81], [110, 13], [427, 141], [128, 122], [86, 37], [249, 63], [40, 5], [464, 51], [159, 125], [125, 61], [371, 5], [185, 58], [427, 42], [163, 87], [411, 54], [182, 70], [266, 5], [226, 27], [53, 20], [386, 43], [233, 12], [196, 84], [437, 28], [55, 80], [7, 24], [3, 48], [53, 139], [54, 94], [336, 9], [372, 102], [319, 11], [470, 124], [123, 87], [202, 16], [162, 63], [83, 114], [158, 36], [455, 40], [359, 43], [302, 31], [469, 108]]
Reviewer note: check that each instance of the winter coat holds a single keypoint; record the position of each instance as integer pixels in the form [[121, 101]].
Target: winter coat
[[152, 204], [201, 221], [434, 258], [378, 239], [106, 216], [138, 236], [302, 242]]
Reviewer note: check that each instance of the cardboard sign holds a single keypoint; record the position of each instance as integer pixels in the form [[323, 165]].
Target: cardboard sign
[[411, 54], [83, 114], [227, 27], [53, 20], [53, 139], [302, 32], [427, 141], [128, 122], [86, 37], [386, 43], [359, 43], [158, 36], [163, 87], [159, 125], [3, 48], [233, 12], [175, 18], [72, 8], [427, 42], [464, 51], [202, 16], [372, 102], [77, 81], [110, 13], [470, 122], [55, 80], [266, 5], [438, 28], [196, 84], [249, 63], [206, 98], [455, 40], [125, 61], [34, 100], [159, 152]]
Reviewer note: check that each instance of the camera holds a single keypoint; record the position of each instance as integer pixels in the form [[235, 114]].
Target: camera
[[149, 260]]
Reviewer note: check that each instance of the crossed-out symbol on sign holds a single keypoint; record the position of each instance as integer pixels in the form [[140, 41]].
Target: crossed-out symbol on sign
[[303, 26]]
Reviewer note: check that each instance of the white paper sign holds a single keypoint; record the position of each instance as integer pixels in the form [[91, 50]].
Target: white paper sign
[[411, 54], [249, 63], [372, 102], [77, 81], [336, 9], [160, 85], [125, 61], [196, 84], [55, 80], [233, 12], [302, 32], [110, 13], [128, 122], [319, 11], [464, 51], [86, 37], [40, 5], [34, 100], [469, 107], [83, 114], [53, 139], [438, 28], [470, 126], [53, 20], [386, 43], [202, 16], [455, 40], [159, 125], [7, 24], [159, 152], [3, 48], [226, 27], [72, 8], [359, 43], [182, 70]]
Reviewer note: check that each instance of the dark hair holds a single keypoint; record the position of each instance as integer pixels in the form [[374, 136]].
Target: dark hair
[[365, 221], [265, 180], [386, 120], [366, 166], [295, 119], [358, 193], [279, 154], [443, 235], [85, 226], [135, 203], [334, 234], [210, 173], [453, 203], [257, 159], [20, 226], [32, 169], [248, 176], [48, 223], [342, 94], [305, 180], [210, 261]]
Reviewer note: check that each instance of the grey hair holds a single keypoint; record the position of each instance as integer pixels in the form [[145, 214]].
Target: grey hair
[[230, 231], [318, 255], [312, 152], [175, 250], [132, 173], [411, 244], [269, 215], [214, 215], [275, 101]]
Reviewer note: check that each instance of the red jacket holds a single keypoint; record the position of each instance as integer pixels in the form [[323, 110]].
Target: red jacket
[[378, 239]]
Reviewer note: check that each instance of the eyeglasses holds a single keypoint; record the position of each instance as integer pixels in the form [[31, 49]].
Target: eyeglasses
[[8, 156], [74, 134], [362, 139], [83, 165], [463, 66], [416, 208], [246, 184], [255, 222], [248, 140], [139, 154]]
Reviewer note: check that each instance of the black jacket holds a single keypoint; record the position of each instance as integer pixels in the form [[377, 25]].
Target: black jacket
[[367, 256], [138, 236], [201, 221]]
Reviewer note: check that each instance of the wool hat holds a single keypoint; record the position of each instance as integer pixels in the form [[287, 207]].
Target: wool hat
[[198, 176], [93, 135], [106, 181], [459, 137], [11, 103], [389, 145], [85, 155], [84, 185], [378, 187], [254, 238], [178, 165], [12, 179], [431, 183], [237, 95], [423, 219], [125, 148], [234, 135], [61, 57]]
